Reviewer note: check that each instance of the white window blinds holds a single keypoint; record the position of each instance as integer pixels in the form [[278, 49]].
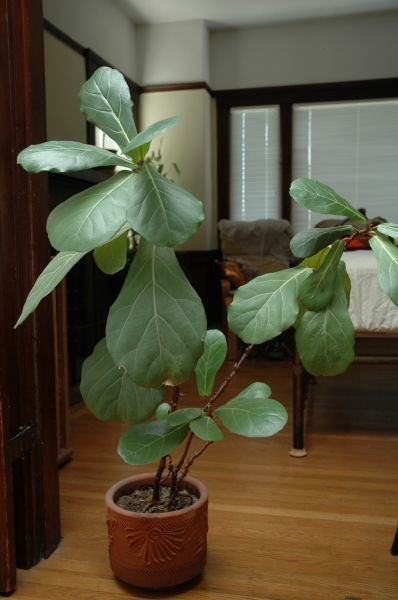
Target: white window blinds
[[254, 163], [352, 147]]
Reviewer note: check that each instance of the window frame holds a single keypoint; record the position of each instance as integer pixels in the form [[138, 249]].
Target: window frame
[[286, 97]]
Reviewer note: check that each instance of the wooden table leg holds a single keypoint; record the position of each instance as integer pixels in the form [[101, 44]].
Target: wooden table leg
[[299, 376], [394, 548]]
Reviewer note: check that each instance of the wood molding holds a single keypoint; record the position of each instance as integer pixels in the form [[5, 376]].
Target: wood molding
[[177, 87], [27, 368], [316, 92], [63, 37]]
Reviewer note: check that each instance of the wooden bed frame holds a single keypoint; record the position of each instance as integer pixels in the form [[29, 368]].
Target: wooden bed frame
[[302, 379]]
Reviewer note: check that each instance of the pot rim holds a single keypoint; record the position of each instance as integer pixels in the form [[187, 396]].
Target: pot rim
[[195, 483]]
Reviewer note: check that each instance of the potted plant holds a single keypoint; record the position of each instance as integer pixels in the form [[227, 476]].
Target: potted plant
[[156, 331], [155, 338]]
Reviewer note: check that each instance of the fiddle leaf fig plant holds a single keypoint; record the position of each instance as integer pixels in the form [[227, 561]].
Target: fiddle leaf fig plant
[[156, 334], [314, 296]]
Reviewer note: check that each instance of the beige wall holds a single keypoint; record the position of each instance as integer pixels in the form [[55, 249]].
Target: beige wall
[[173, 52], [65, 74], [99, 25], [317, 51], [189, 144]]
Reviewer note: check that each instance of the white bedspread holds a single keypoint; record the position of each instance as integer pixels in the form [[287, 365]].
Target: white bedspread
[[370, 309]]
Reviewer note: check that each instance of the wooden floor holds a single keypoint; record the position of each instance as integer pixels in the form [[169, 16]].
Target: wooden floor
[[281, 528]]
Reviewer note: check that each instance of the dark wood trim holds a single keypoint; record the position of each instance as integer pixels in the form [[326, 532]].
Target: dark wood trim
[[223, 151], [27, 369], [177, 87], [286, 164], [63, 37], [317, 92], [286, 96]]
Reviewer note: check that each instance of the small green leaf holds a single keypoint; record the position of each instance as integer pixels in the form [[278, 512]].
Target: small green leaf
[[62, 157], [112, 256], [163, 212], [325, 339], [105, 100], [322, 199], [206, 429], [183, 415], [211, 360], [317, 290], [252, 413], [314, 262], [390, 229], [310, 241], [110, 394], [162, 411], [157, 325], [92, 217], [147, 442], [54, 272], [387, 265], [150, 133], [267, 305]]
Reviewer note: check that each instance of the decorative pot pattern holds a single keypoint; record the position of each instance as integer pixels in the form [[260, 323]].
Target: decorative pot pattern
[[156, 550]]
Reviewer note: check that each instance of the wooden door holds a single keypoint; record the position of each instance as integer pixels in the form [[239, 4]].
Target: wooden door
[[29, 496]]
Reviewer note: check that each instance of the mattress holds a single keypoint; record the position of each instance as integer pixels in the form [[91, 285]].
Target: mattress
[[370, 309]]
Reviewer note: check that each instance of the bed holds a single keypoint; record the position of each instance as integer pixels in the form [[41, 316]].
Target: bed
[[373, 315]]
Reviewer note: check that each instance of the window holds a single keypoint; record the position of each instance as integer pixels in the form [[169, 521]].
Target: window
[[353, 147], [255, 163], [343, 134]]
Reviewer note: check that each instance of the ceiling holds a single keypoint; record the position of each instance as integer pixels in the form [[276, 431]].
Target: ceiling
[[245, 13]]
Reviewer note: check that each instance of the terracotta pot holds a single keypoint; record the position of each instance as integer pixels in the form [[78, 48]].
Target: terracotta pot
[[156, 551]]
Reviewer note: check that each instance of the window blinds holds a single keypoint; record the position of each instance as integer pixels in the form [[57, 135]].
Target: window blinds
[[254, 163], [352, 147]]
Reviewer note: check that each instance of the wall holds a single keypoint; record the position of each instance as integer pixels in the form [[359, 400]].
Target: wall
[[99, 25], [173, 52], [189, 145], [65, 71], [318, 51]]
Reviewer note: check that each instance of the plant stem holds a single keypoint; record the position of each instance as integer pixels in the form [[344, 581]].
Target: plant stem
[[175, 397], [162, 462], [187, 466], [156, 482], [228, 380]]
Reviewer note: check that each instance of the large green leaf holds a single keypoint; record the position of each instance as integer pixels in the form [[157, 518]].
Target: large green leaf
[[92, 217], [147, 442], [183, 415], [253, 413], [48, 280], [322, 199], [390, 229], [310, 241], [206, 429], [149, 134], [267, 305], [211, 360], [163, 212], [387, 265], [112, 256], [325, 339], [105, 100], [157, 325], [317, 290], [111, 395], [60, 157]]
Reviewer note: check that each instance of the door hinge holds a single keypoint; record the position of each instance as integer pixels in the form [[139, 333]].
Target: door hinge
[[20, 445]]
